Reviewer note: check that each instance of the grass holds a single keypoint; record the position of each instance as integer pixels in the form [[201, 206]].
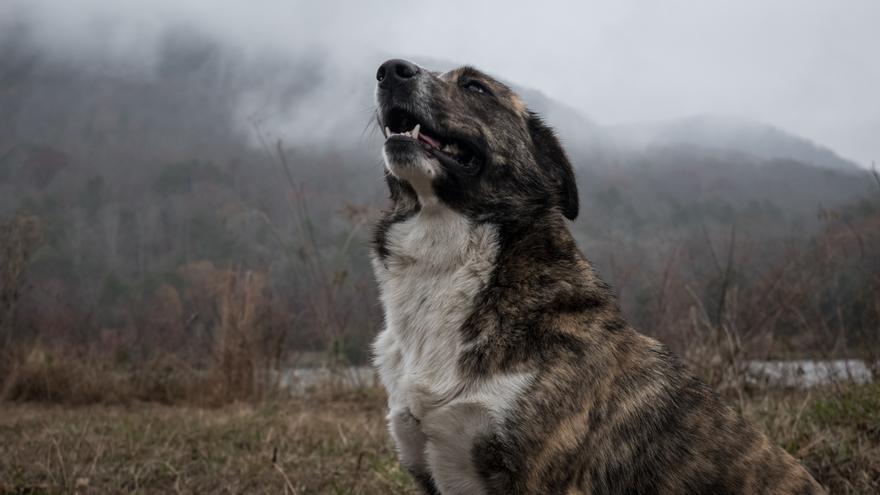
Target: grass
[[834, 431], [338, 444], [332, 444]]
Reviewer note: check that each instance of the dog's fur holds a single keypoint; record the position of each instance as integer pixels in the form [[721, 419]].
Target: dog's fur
[[508, 366]]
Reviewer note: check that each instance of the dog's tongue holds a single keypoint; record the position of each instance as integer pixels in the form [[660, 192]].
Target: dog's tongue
[[428, 139]]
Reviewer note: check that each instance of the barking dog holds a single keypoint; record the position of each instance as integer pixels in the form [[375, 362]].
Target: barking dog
[[508, 366]]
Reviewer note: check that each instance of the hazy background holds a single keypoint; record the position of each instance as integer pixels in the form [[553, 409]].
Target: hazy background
[[194, 177], [808, 67], [187, 189]]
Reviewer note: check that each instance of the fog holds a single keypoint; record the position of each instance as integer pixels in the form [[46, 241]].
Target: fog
[[808, 67], [190, 190]]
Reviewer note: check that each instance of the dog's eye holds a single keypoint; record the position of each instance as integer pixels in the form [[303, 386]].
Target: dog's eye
[[476, 87]]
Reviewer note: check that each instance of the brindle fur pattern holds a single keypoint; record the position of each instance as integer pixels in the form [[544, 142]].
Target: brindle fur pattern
[[608, 410]]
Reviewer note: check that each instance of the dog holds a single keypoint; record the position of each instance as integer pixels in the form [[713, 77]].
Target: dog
[[508, 366]]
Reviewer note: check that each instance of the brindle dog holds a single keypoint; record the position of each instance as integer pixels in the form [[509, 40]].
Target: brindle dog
[[508, 365]]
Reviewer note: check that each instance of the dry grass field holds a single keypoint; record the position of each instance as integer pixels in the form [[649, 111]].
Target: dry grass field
[[327, 444], [337, 444]]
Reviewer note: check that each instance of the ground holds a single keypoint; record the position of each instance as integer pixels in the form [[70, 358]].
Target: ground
[[337, 443], [331, 444]]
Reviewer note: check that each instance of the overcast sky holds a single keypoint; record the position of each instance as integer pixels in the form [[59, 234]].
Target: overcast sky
[[811, 67]]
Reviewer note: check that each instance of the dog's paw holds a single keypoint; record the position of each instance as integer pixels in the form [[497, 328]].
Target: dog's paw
[[406, 430]]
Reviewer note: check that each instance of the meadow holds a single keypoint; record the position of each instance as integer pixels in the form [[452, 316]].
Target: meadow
[[69, 427]]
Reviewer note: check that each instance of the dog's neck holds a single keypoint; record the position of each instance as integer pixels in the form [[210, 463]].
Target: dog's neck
[[436, 237]]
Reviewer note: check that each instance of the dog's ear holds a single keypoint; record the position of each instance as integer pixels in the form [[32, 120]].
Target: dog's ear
[[549, 154]]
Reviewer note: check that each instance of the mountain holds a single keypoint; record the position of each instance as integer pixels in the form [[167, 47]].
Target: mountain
[[726, 134], [207, 101], [202, 98], [147, 178]]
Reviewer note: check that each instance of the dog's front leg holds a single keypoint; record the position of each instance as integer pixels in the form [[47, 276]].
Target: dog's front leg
[[406, 430], [452, 431]]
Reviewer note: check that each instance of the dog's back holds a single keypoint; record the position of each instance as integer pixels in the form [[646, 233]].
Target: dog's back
[[610, 410]]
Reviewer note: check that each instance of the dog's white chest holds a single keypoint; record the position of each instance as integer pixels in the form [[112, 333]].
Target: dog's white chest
[[430, 283], [438, 264]]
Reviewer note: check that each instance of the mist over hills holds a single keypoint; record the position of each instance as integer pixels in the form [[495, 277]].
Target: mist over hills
[[724, 133], [201, 95], [140, 172], [201, 99], [190, 191]]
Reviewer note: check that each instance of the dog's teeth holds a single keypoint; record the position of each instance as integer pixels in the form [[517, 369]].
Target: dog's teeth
[[415, 131], [387, 132]]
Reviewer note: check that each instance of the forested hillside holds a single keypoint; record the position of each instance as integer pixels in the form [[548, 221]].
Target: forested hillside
[[148, 210]]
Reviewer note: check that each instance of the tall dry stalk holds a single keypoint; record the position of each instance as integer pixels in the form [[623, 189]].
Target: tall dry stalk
[[331, 296], [242, 310], [20, 237]]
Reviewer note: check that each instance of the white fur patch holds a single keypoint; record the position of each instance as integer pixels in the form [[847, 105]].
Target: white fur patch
[[438, 263], [419, 174]]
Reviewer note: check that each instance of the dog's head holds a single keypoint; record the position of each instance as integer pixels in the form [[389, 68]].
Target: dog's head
[[465, 140]]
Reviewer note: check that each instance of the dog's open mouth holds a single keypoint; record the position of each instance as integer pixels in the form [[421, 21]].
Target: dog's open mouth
[[400, 124]]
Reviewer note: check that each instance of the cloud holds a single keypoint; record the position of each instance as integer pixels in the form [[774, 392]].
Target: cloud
[[808, 67]]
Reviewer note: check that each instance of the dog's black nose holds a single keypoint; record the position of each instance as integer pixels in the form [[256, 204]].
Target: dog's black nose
[[395, 71]]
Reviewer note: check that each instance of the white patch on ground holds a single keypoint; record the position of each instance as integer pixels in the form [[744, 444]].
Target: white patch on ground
[[808, 373]]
